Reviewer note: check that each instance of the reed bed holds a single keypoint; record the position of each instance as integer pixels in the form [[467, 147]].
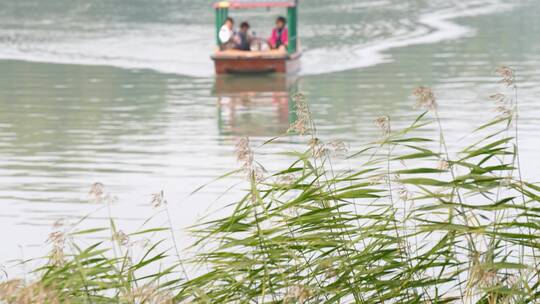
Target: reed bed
[[407, 221]]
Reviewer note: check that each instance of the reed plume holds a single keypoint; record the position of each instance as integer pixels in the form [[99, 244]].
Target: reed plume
[[244, 155], [303, 122], [425, 98]]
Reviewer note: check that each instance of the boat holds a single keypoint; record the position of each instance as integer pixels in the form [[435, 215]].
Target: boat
[[260, 61]]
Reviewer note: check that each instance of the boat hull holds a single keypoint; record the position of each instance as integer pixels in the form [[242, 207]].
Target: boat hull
[[258, 65]]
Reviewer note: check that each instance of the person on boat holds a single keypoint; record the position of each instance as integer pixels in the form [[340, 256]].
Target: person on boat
[[280, 35], [227, 34], [244, 37]]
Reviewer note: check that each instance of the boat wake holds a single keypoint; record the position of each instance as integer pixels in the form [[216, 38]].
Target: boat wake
[[160, 47], [431, 28]]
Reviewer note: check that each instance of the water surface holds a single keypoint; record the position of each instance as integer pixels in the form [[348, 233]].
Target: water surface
[[122, 92]]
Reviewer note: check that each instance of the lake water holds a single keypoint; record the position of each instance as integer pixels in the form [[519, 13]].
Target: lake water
[[122, 92]]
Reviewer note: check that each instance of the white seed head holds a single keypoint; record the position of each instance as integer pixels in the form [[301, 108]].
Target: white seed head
[[158, 199], [507, 75], [383, 123], [425, 98], [303, 122]]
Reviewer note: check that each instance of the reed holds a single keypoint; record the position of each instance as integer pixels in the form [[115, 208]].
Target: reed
[[406, 220]]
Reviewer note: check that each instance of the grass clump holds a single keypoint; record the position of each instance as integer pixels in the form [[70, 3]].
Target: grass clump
[[403, 221], [103, 264]]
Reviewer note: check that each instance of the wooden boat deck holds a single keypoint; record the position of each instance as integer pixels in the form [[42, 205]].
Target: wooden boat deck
[[236, 54], [274, 61]]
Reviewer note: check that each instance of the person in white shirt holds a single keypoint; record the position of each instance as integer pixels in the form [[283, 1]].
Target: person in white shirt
[[226, 35]]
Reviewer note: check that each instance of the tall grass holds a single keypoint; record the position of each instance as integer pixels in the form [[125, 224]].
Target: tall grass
[[406, 221]]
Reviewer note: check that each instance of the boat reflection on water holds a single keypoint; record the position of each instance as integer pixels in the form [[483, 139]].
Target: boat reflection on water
[[255, 105]]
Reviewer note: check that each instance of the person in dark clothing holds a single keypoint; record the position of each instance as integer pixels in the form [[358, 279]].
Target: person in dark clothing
[[244, 37]]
